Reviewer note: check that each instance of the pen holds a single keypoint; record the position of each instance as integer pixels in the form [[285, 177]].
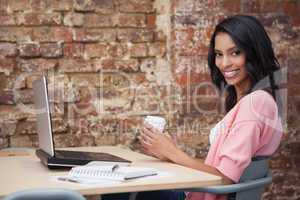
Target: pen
[[68, 179], [116, 166]]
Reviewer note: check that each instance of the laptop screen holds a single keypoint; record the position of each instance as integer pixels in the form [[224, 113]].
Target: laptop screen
[[41, 103]]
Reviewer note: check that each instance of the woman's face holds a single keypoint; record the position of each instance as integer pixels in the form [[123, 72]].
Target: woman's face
[[231, 61]]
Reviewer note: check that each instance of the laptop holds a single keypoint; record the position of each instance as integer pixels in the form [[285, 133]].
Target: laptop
[[59, 158]]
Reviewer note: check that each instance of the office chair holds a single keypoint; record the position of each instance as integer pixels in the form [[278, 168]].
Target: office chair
[[251, 185], [45, 194]]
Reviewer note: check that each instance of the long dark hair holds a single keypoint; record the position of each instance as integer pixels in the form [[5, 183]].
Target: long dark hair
[[250, 36]]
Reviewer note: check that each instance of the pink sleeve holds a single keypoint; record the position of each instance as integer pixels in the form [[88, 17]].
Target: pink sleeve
[[238, 149]]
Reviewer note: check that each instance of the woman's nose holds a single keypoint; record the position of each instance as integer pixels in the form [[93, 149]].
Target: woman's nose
[[226, 62]]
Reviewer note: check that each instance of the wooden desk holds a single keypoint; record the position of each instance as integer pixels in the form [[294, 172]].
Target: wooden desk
[[27, 172]]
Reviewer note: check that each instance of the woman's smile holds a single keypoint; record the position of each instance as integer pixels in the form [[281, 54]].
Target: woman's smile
[[231, 73]]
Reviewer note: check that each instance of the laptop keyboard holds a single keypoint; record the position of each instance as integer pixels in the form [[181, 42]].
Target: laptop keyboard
[[87, 156]]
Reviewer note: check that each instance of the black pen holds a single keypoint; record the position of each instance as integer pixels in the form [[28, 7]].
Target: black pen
[[116, 166], [68, 179]]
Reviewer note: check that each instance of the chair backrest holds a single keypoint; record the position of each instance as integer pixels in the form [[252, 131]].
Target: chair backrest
[[45, 194], [257, 169], [250, 186]]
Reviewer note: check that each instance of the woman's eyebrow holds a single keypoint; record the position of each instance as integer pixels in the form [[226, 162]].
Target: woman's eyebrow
[[229, 49]]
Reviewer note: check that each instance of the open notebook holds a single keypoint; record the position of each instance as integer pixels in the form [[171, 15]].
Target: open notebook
[[108, 172]]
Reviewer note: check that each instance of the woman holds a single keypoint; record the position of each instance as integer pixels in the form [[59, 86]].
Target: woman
[[240, 58]]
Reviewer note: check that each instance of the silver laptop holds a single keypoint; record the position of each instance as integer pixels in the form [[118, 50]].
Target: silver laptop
[[46, 152]]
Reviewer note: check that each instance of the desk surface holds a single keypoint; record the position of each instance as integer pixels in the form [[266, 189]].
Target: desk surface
[[27, 172]]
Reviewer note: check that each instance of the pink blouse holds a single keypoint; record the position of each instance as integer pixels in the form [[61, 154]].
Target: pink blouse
[[251, 128]]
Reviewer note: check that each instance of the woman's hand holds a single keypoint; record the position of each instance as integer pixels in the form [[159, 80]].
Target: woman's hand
[[156, 143], [163, 147]]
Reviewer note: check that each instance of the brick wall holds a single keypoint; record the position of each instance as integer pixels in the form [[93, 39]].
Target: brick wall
[[111, 62]]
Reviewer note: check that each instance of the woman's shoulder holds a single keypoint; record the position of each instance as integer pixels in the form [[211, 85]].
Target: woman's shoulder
[[258, 104], [260, 99]]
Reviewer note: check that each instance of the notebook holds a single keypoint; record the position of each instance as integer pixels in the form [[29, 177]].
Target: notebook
[[108, 172]]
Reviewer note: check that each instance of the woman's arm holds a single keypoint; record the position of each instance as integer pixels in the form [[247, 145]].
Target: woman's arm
[[181, 158], [162, 146]]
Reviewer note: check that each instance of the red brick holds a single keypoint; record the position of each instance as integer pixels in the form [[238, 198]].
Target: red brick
[[7, 19], [61, 5], [37, 19], [136, 6], [79, 65], [110, 139], [7, 65], [253, 6], [135, 35], [87, 79], [14, 34], [51, 50], [6, 97], [94, 35], [104, 6], [4, 143], [118, 50], [73, 19], [232, 5], [138, 50], [96, 50], [129, 65], [159, 36], [83, 107], [73, 50], [157, 49], [270, 6], [183, 6], [24, 96], [8, 127], [65, 140], [192, 49], [293, 71], [190, 42], [9, 82], [17, 5], [114, 80], [3, 5], [97, 20], [27, 127], [132, 20], [59, 125], [197, 64], [186, 78], [40, 5], [83, 5], [8, 49], [268, 20], [20, 141], [151, 21], [281, 161], [29, 50], [15, 113], [52, 34], [36, 65], [292, 9], [4, 82]]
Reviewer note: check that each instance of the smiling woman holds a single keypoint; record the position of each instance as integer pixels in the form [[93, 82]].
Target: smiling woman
[[231, 61], [239, 57]]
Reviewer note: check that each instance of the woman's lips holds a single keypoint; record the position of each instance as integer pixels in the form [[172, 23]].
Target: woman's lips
[[231, 73]]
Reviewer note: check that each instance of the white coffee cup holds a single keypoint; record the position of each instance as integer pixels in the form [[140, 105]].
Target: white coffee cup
[[157, 122]]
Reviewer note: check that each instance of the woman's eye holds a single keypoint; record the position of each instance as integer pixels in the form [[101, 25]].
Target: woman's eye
[[218, 54], [235, 53]]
